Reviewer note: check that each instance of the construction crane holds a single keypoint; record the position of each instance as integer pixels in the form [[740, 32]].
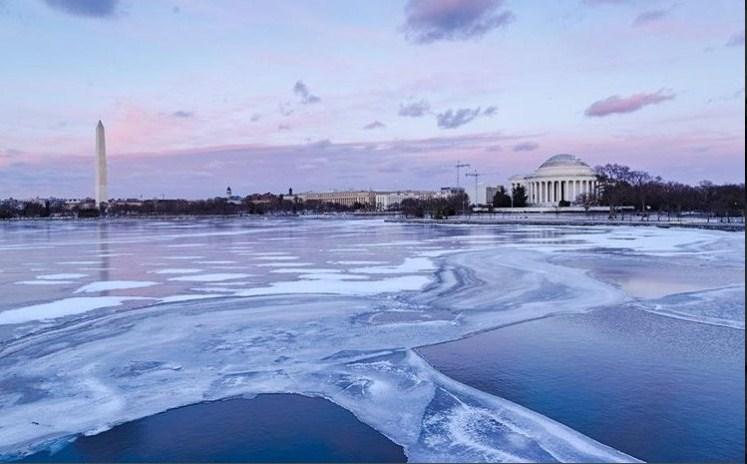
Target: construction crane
[[476, 175], [458, 166]]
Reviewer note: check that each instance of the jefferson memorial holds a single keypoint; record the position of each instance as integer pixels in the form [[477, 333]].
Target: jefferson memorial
[[561, 177]]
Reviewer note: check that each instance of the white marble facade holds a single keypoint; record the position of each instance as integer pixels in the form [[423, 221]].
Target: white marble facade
[[561, 177]]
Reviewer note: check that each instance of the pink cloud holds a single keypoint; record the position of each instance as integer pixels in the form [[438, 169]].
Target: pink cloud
[[617, 104]]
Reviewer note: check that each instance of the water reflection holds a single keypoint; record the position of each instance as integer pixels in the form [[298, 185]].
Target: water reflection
[[269, 428]]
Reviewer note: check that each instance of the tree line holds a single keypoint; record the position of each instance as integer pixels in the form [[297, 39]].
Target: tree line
[[255, 204], [621, 186]]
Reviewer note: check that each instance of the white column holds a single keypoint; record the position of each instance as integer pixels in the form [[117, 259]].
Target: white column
[[543, 191], [552, 191], [531, 192], [551, 184], [570, 190]]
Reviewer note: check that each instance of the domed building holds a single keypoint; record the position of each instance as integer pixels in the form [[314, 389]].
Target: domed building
[[561, 177]]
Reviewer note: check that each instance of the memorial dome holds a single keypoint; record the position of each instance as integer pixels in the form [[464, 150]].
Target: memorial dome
[[563, 165]]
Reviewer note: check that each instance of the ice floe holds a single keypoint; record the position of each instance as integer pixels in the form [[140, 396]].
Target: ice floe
[[60, 308], [217, 277], [106, 285], [44, 282], [177, 271], [62, 276]]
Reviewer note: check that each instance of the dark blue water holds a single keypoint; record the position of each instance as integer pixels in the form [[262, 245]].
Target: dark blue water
[[269, 428], [657, 388]]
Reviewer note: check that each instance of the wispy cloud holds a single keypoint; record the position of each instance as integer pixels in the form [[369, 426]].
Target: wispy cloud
[[736, 40], [89, 8], [525, 146], [414, 109], [285, 109], [452, 119], [304, 94], [374, 125], [619, 105], [650, 16], [490, 111], [432, 20]]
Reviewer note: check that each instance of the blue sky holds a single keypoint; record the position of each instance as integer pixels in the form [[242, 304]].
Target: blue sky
[[266, 95]]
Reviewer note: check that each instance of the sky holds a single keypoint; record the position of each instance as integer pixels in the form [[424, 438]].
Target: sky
[[198, 95]]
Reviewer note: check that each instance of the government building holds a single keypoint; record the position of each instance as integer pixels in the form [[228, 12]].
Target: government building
[[560, 178]]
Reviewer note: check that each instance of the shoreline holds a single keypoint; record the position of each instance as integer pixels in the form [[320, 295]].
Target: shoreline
[[520, 220], [581, 222]]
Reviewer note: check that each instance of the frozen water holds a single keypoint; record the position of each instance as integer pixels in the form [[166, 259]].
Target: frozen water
[[44, 282], [722, 306], [218, 277], [61, 308], [105, 285], [63, 276], [177, 271], [326, 308]]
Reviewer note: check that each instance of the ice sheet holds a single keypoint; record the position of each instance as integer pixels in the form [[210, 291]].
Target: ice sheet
[[217, 277], [61, 308], [107, 285], [299, 324], [62, 276]]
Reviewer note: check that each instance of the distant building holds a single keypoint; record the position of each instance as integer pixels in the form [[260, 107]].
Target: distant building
[[345, 198], [231, 198], [388, 200], [560, 178], [490, 194]]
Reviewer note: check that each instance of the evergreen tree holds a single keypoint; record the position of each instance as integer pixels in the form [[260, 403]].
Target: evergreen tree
[[501, 199], [519, 194]]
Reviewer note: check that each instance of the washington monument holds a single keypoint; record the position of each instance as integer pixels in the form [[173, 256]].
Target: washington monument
[[101, 179]]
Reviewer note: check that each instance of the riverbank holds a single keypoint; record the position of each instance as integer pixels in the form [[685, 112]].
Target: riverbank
[[567, 220]]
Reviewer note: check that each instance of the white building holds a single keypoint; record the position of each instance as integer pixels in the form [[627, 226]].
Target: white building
[[386, 200], [380, 200], [561, 177], [345, 198]]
